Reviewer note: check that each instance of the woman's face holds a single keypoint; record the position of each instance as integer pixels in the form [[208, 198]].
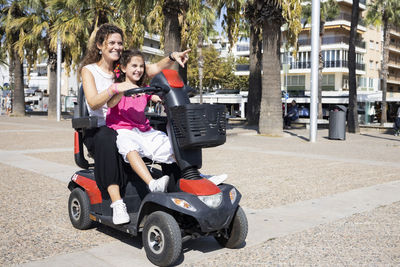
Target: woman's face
[[134, 69], [112, 47]]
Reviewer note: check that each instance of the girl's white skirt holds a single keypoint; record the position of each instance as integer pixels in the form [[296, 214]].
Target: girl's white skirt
[[152, 144]]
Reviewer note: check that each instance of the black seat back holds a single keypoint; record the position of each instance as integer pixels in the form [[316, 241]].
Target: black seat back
[[81, 122]]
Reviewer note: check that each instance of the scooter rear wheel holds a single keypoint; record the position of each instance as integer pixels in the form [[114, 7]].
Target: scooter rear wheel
[[162, 239], [237, 231], [79, 209]]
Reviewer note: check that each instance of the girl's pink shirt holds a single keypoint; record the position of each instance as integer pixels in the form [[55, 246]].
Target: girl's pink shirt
[[129, 114]]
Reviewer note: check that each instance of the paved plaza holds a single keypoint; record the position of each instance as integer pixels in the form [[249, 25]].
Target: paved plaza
[[328, 203]]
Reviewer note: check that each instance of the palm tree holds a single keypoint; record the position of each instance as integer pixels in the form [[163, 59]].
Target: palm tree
[[10, 11], [38, 21], [387, 14], [255, 57], [329, 10], [273, 14], [353, 126]]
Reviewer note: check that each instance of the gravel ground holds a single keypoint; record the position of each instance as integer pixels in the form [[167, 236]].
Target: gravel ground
[[35, 223], [365, 239]]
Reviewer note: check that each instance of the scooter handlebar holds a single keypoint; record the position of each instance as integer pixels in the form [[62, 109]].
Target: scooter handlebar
[[140, 90]]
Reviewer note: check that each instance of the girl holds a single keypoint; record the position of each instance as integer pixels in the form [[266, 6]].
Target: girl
[[136, 138], [96, 71]]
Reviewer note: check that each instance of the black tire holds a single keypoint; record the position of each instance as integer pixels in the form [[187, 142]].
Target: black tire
[[237, 231], [162, 239], [79, 209]]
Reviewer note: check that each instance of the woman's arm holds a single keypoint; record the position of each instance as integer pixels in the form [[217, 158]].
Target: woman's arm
[[118, 89], [114, 100], [95, 100], [180, 57]]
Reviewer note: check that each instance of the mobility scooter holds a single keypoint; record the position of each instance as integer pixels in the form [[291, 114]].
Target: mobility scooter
[[195, 208]]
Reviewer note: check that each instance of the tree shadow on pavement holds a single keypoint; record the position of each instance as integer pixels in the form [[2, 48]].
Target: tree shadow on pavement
[[297, 135], [394, 138]]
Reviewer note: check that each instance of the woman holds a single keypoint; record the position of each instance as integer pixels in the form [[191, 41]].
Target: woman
[[97, 78]]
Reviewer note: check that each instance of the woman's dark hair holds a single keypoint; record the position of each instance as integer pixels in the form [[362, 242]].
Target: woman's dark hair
[[102, 33], [124, 60]]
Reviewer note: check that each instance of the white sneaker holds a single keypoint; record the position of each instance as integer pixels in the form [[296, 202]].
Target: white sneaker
[[120, 214], [159, 185], [216, 179]]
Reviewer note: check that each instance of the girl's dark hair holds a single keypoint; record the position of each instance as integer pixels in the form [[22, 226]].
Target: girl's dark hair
[[124, 60], [102, 33]]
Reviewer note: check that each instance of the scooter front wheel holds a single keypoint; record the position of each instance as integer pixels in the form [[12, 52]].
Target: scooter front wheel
[[79, 209], [236, 233], [162, 239]]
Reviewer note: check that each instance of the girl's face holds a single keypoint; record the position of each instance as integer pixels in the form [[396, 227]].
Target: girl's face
[[111, 49], [134, 69]]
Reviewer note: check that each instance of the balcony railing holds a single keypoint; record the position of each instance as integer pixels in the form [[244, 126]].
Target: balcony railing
[[307, 65], [327, 64], [347, 17], [394, 62], [394, 46], [395, 29], [394, 78], [333, 40]]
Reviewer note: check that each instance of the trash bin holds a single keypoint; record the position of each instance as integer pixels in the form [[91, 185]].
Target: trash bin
[[337, 122]]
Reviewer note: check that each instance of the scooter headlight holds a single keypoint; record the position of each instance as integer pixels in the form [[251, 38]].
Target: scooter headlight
[[183, 204], [212, 201], [233, 195]]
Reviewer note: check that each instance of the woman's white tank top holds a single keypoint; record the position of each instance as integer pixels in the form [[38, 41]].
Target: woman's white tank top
[[103, 81]]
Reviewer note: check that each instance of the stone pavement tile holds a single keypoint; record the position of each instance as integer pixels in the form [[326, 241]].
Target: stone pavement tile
[[30, 140], [366, 239], [57, 157]]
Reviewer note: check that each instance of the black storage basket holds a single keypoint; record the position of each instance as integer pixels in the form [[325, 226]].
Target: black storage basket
[[199, 125]]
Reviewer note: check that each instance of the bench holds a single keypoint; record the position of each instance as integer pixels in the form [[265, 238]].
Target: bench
[[306, 122]]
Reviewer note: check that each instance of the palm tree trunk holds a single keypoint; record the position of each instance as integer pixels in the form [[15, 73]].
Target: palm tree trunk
[[271, 99], [18, 102], [172, 32], [353, 126], [384, 73], [254, 97], [52, 76]]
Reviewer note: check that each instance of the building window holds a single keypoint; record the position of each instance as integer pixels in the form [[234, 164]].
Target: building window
[[361, 82], [328, 82], [345, 82], [377, 65], [371, 65], [296, 81], [296, 84], [371, 44], [371, 83]]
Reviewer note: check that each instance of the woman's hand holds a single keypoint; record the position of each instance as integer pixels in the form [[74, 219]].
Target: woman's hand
[[181, 57]]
